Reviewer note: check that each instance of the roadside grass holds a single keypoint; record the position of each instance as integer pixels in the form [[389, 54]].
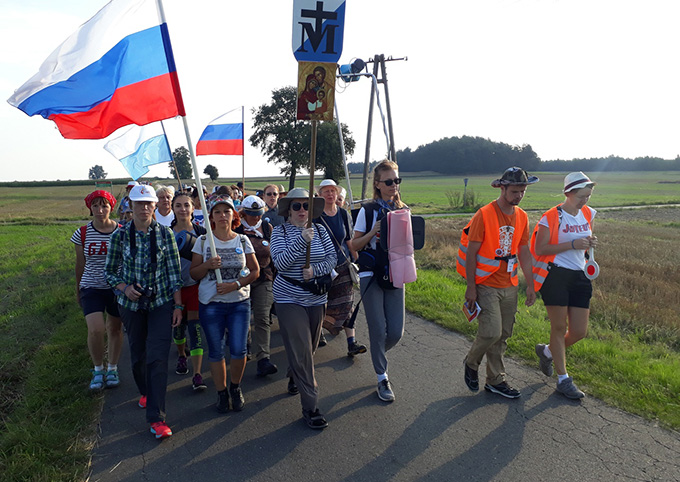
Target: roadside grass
[[47, 417], [631, 356]]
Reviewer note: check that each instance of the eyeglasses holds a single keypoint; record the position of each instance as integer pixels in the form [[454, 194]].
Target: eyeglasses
[[271, 194], [389, 182], [296, 206]]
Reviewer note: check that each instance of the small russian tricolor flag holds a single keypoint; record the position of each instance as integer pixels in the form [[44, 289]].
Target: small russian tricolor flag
[[222, 136]]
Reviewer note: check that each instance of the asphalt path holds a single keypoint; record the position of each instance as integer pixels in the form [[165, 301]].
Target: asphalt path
[[435, 430]]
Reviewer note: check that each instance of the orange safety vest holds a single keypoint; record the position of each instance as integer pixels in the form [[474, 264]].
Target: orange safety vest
[[488, 261], [540, 264]]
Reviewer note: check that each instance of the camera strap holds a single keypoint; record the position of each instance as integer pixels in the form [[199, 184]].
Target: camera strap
[[153, 246]]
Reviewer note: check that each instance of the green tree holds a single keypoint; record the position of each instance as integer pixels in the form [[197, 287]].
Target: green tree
[[97, 172], [211, 171], [287, 141], [183, 163]]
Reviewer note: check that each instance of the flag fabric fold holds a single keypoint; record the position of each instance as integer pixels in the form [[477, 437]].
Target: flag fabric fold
[[140, 147], [116, 69], [223, 136]]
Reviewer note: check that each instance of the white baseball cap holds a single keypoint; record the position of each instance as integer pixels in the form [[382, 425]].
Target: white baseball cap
[[143, 193]]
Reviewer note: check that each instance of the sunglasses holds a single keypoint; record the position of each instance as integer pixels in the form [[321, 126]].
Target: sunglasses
[[389, 182], [296, 206], [272, 194]]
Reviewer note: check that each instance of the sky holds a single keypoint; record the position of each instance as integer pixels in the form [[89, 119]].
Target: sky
[[572, 78]]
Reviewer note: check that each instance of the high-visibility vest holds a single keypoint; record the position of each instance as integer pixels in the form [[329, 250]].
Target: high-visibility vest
[[540, 264], [488, 259]]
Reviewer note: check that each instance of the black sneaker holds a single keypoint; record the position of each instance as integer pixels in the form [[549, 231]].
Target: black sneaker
[[356, 349], [182, 368], [266, 367], [322, 340], [314, 419], [471, 377], [292, 387], [237, 400], [503, 389], [222, 401]]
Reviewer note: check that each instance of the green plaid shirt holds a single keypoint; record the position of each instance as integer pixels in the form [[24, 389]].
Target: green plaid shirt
[[122, 267]]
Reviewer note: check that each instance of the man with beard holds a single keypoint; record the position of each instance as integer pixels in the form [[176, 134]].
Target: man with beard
[[492, 243]]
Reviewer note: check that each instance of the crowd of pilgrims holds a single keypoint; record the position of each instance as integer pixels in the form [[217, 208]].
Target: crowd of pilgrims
[[145, 267]]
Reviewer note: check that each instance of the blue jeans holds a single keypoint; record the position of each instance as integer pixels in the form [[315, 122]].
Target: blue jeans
[[217, 317]]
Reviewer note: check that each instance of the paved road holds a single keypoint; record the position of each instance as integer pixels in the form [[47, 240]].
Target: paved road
[[436, 429]]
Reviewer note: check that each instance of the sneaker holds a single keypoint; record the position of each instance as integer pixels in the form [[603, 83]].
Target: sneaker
[[567, 388], [543, 360], [471, 377], [355, 349], [266, 367], [292, 387], [237, 400], [160, 430], [111, 379], [503, 389], [314, 419], [97, 382], [197, 383], [222, 404], [385, 392], [182, 368], [142, 402], [322, 340]]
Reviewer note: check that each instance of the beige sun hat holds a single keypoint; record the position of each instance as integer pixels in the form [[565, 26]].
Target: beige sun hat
[[299, 194]]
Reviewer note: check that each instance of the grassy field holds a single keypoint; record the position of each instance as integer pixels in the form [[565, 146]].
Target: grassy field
[[425, 194], [631, 357]]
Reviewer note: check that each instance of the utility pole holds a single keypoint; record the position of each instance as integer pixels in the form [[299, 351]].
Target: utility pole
[[378, 63]]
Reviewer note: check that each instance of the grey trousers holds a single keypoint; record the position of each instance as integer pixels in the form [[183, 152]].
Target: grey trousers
[[261, 300], [301, 329], [385, 315], [149, 335]]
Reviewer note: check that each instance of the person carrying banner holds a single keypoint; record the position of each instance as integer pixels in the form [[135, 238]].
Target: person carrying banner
[[143, 268], [492, 243], [558, 245], [93, 293]]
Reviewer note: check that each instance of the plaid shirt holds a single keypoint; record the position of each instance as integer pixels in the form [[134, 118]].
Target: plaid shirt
[[122, 267]]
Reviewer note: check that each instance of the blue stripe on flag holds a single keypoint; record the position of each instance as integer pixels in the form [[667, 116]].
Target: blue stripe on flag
[[220, 132]]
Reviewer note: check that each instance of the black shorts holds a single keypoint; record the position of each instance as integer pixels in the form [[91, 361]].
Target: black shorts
[[94, 300], [566, 287]]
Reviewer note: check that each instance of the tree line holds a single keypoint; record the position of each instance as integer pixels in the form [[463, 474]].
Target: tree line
[[476, 155]]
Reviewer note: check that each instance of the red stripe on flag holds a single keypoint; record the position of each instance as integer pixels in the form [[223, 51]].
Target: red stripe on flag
[[232, 147], [141, 103]]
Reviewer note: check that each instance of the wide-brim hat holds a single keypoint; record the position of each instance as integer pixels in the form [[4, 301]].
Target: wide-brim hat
[[143, 193], [576, 180], [253, 206], [515, 176], [216, 199], [300, 194]]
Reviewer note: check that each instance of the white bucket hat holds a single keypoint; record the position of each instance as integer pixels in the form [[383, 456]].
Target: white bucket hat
[[576, 180]]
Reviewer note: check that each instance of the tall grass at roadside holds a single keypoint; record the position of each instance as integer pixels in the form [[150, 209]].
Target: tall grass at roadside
[[631, 357], [46, 414]]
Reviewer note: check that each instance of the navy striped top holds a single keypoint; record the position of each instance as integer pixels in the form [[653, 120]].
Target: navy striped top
[[288, 250]]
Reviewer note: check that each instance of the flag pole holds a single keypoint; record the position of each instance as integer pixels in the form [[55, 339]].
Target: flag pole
[[312, 168], [172, 158], [194, 165], [243, 156], [344, 158]]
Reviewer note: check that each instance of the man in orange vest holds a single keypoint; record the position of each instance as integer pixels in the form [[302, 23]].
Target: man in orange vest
[[492, 243]]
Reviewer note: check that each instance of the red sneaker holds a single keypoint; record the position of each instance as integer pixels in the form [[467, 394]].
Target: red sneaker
[[160, 430], [142, 402]]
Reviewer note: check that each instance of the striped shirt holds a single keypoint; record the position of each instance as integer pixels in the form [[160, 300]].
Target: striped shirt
[[95, 249], [122, 267], [289, 250]]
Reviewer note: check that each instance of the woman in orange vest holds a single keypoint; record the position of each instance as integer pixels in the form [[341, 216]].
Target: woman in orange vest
[[558, 245]]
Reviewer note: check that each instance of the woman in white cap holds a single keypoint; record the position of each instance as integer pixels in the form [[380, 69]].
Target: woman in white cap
[[143, 268], [226, 305], [559, 245], [261, 298], [299, 308], [338, 223]]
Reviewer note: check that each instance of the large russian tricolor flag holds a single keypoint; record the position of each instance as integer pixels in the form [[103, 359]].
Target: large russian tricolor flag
[[116, 69], [223, 135]]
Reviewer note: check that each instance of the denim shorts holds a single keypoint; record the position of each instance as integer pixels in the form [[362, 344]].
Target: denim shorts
[[94, 300], [216, 318]]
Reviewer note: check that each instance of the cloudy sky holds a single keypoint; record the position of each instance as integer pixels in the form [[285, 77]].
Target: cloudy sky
[[573, 78]]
